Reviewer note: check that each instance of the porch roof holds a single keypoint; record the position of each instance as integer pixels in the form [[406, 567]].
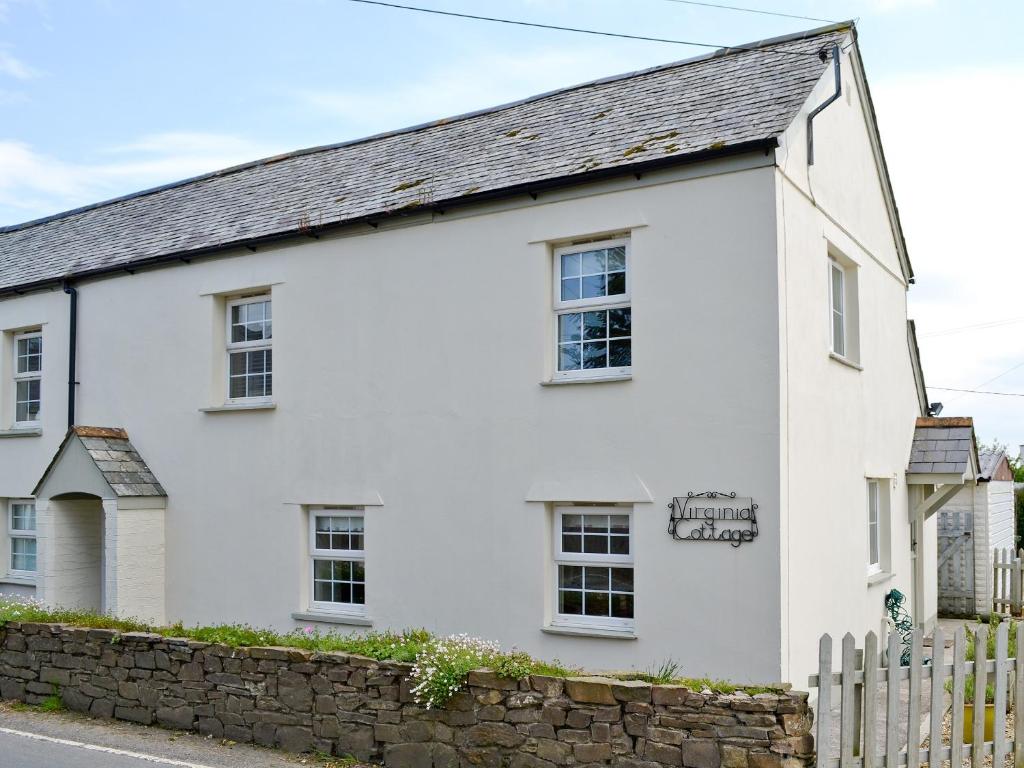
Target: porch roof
[[944, 449], [116, 459]]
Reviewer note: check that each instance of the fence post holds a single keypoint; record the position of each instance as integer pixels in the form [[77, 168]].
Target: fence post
[[956, 736], [914, 710], [870, 665], [937, 700], [999, 724], [848, 736], [980, 683], [824, 700], [892, 704]]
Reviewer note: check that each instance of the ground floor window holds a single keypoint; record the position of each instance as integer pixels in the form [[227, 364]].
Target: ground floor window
[[337, 560], [878, 526], [594, 566], [21, 528]]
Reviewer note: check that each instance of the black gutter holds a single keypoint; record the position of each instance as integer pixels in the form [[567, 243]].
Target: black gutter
[[821, 107], [373, 219], [72, 292]]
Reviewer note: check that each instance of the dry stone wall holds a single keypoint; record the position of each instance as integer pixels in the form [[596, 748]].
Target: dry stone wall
[[344, 704]]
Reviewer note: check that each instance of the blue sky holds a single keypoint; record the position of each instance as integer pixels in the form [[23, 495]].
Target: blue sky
[[104, 97]]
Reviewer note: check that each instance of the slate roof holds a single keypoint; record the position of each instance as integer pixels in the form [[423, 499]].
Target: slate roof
[[943, 445], [735, 99], [122, 467], [988, 462]]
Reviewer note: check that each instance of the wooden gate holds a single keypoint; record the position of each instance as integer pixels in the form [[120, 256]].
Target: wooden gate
[[956, 562], [870, 716]]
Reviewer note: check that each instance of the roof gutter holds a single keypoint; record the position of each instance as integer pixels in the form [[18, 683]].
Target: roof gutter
[[821, 107], [533, 189], [72, 293]]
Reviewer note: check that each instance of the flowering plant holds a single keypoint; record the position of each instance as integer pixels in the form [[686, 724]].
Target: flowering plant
[[442, 666]]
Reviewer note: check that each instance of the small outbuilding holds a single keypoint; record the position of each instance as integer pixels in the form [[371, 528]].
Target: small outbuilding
[[972, 526]]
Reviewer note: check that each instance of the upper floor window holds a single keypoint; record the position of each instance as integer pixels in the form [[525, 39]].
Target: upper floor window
[[21, 530], [837, 305], [592, 309], [28, 377], [250, 356], [338, 560], [843, 308], [594, 567]]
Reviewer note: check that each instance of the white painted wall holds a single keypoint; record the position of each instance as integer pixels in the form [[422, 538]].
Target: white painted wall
[[842, 423], [134, 558], [70, 542], [409, 361]]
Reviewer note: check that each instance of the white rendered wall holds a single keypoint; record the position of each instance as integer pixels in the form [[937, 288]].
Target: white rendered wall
[[409, 361], [135, 559], [842, 423], [70, 545]]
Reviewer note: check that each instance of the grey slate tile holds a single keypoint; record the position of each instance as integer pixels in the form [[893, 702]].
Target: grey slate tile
[[676, 110]]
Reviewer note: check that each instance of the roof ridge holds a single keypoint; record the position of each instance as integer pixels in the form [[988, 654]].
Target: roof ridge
[[230, 170]]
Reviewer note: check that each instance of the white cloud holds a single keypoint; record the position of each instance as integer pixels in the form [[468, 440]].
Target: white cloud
[[33, 184], [14, 67], [950, 141]]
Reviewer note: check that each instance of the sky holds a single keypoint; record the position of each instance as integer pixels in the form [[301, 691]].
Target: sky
[[104, 97]]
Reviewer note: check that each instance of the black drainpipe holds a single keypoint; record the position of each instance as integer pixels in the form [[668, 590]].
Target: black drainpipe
[[70, 290], [839, 89]]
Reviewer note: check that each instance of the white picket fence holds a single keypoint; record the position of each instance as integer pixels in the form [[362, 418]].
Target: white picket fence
[[1007, 581], [873, 736]]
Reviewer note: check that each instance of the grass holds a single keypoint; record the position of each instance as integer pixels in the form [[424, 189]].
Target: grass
[[52, 703], [667, 673], [401, 646]]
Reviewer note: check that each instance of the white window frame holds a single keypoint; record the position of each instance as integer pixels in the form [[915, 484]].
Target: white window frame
[[245, 346], [876, 516], [835, 267], [13, 534], [358, 555], [27, 376], [619, 301], [583, 559]]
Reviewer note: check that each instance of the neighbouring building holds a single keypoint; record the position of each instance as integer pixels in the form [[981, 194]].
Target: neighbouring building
[[498, 374], [976, 523]]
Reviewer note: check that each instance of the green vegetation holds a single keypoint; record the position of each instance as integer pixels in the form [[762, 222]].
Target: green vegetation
[[408, 185], [969, 683], [667, 673], [52, 703], [994, 620], [441, 664]]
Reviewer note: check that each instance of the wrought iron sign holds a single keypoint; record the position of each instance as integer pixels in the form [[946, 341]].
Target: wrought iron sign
[[713, 516]]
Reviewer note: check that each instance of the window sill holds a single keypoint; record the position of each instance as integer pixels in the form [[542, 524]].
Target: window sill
[[588, 380], [879, 577], [846, 361], [579, 631], [21, 432], [323, 617], [24, 581], [265, 406]]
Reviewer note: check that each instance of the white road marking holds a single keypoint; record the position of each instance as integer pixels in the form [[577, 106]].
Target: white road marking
[[107, 750]]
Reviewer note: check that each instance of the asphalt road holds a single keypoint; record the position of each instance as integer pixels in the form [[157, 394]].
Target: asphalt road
[[32, 739]]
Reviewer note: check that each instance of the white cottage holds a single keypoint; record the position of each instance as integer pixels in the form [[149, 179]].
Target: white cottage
[[618, 373]]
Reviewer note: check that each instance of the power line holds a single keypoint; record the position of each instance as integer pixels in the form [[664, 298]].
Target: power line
[[984, 383], [978, 326], [578, 30], [752, 10], [978, 391]]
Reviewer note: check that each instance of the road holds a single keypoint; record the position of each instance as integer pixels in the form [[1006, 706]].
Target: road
[[32, 739]]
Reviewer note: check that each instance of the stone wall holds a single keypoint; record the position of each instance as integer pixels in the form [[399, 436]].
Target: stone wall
[[344, 704]]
